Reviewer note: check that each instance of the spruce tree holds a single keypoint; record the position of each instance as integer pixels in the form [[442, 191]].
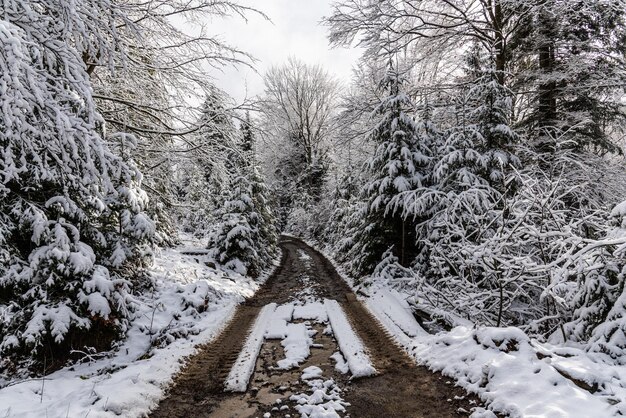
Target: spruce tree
[[74, 238], [578, 50], [244, 235], [247, 135], [207, 170], [399, 165]]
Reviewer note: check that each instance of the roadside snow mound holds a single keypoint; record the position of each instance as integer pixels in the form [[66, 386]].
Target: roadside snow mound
[[501, 366], [512, 373]]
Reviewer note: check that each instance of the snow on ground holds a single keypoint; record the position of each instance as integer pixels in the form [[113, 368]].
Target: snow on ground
[[311, 310], [189, 305], [243, 368], [324, 401], [296, 337], [351, 346], [389, 303], [510, 372], [340, 363], [297, 345], [304, 256], [274, 322]]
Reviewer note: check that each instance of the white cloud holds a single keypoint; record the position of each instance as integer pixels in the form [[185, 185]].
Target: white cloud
[[295, 30]]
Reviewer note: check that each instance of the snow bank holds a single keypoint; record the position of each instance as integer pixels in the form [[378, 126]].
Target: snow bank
[[340, 363], [510, 372], [390, 304], [503, 368]]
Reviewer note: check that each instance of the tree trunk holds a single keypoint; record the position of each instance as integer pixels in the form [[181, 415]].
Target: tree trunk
[[547, 90]]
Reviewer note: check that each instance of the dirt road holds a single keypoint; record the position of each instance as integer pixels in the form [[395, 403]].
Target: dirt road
[[400, 388]]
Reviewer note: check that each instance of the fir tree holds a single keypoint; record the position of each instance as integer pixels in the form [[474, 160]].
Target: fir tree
[[74, 238], [399, 165]]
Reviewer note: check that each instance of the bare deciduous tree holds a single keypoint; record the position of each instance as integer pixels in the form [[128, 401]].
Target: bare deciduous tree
[[299, 105]]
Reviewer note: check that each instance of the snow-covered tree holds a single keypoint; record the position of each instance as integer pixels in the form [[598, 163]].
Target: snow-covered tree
[[459, 216], [73, 233], [247, 135], [157, 93], [206, 168], [578, 53], [589, 289], [244, 237], [298, 119], [399, 165]]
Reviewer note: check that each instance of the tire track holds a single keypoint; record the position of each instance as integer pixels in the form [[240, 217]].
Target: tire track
[[401, 389]]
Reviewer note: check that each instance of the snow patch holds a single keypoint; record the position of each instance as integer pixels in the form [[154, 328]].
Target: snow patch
[[340, 363], [243, 368], [297, 345], [324, 401], [313, 310], [351, 346]]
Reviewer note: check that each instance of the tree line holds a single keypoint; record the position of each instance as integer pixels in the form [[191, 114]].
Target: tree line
[[475, 161]]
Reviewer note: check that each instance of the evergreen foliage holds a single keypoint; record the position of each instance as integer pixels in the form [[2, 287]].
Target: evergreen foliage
[[398, 166], [74, 235], [244, 233]]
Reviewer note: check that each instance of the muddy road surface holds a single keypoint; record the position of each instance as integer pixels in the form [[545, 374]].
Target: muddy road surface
[[308, 375]]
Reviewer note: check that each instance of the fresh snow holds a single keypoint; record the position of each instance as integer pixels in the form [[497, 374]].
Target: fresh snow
[[243, 368], [351, 346], [510, 380], [304, 256], [312, 310], [340, 363], [391, 304], [511, 373], [325, 399], [297, 345], [311, 372], [528, 381], [189, 306], [276, 329]]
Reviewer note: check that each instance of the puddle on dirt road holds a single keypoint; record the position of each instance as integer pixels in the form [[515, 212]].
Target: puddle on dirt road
[[271, 389]]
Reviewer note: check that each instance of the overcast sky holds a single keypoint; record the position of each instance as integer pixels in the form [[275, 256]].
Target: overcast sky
[[295, 30]]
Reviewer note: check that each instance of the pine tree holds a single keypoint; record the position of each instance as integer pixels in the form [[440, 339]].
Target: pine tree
[[244, 238], [233, 243], [595, 312]]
